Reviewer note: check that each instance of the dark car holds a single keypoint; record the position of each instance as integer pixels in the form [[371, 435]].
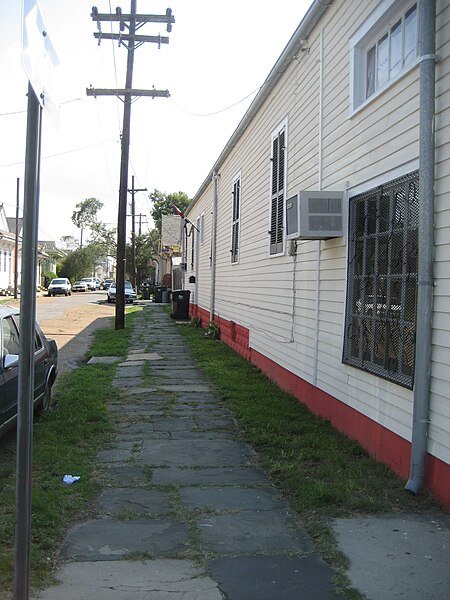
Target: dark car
[[45, 367]]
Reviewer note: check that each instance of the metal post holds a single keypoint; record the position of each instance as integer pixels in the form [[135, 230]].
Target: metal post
[[16, 243], [26, 349]]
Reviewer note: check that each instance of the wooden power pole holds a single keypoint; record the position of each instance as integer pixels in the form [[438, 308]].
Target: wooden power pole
[[133, 230], [130, 22]]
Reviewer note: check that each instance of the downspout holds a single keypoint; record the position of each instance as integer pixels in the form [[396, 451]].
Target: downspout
[[422, 377], [215, 177], [319, 187]]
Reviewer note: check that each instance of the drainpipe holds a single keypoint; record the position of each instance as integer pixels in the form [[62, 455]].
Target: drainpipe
[[427, 35], [215, 177]]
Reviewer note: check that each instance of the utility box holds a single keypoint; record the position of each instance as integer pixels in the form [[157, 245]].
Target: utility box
[[180, 305]]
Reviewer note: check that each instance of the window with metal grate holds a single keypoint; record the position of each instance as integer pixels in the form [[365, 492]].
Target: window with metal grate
[[380, 317]]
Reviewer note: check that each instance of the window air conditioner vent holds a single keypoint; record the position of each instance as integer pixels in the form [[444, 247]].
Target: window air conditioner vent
[[312, 215]]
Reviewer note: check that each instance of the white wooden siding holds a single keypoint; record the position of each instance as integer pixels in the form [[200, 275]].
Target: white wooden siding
[[306, 335]]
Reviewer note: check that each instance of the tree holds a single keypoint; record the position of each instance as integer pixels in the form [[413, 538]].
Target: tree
[[69, 242], [163, 205], [78, 264], [86, 215]]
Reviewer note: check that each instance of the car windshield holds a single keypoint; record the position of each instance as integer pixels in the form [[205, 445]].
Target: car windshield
[[128, 285], [58, 281]]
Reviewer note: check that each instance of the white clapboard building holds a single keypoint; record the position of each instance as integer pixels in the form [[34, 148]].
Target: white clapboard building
[[322, 245]]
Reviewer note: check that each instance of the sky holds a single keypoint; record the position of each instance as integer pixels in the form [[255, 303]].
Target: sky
[[218, 55]]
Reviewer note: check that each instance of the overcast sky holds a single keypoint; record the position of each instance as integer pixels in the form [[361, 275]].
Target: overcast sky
[[218, 55]]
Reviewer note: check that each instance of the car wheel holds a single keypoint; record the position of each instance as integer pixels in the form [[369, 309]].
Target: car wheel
[[49, 294], [66, 293], [108, 300], [47, 399]]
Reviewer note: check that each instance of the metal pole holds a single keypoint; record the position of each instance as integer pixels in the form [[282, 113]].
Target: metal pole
[[133, 236], [26, 349], [123, 189], [422, 375], [16, 244]]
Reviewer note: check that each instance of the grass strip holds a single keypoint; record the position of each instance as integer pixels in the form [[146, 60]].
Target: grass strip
[[65, 442], [323, 474]]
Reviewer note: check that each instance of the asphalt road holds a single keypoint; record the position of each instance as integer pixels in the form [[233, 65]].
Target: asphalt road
[[56, 306]]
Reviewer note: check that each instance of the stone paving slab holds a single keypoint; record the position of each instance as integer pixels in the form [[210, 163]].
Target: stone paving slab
[[127, 475], [106, 539], [133, 500], [139, 355], [114, 455], [127, 382], [129, 371], [160, 579], [232, 498], [194, 453], [103, 360], [137, 409], [252, 532], [207, 476], [273, 578]]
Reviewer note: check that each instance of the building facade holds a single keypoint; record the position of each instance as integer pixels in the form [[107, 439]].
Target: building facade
[[324, 229]]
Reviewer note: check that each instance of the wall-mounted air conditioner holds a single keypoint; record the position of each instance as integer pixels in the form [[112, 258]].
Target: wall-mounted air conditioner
[[312, 215]]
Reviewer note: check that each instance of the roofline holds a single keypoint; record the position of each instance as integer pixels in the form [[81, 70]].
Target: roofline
[[312, 16]]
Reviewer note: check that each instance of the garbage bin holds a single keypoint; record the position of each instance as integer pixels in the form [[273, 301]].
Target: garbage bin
[[180, 305], [158, 293], [145, 291], [165, 299]]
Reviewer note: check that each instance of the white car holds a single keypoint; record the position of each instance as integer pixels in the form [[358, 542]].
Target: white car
[[59, 286], [91, 283], [130, 294]]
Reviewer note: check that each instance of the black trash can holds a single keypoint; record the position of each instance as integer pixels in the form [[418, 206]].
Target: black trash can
[[180, 305], [158, 293], [145, 291]]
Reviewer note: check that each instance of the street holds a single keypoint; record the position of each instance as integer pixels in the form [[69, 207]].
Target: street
[[70, 321]]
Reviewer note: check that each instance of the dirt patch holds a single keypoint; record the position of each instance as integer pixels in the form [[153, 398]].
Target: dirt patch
[[73, 331]]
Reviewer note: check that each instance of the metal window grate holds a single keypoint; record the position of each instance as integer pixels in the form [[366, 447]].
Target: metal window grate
[[380, 324]]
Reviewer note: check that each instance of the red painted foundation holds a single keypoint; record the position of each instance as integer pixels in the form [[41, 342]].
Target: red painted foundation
[[382, 444]]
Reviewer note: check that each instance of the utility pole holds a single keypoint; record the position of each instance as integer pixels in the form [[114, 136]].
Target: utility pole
[[132, 22], [133, 230], [140, 215]]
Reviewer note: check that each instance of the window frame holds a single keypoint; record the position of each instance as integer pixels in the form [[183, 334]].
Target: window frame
[[236, 194], [381, 302], [278, 170], [379, 23]]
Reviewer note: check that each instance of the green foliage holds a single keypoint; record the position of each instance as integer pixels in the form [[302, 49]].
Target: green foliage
[[48, 276], [86, 214], [66, 440], [322, 471], [213, 331], [163, 205], [79, 263], [196, 322]]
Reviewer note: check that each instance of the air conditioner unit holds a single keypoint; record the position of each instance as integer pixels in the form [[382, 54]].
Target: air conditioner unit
[[312, 215]]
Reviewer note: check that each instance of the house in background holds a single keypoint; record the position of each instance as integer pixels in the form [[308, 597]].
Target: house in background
[[169, 273], [7, 253], [318, 256]]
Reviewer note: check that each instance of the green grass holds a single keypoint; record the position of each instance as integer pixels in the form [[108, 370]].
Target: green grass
[[324, 474], [65, 442]]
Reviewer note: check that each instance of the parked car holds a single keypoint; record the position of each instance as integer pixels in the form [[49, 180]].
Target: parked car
[[91, 283], [80, 286], [107, 283], [45, 367], [97, 283], [59, 286], [130, 294]]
